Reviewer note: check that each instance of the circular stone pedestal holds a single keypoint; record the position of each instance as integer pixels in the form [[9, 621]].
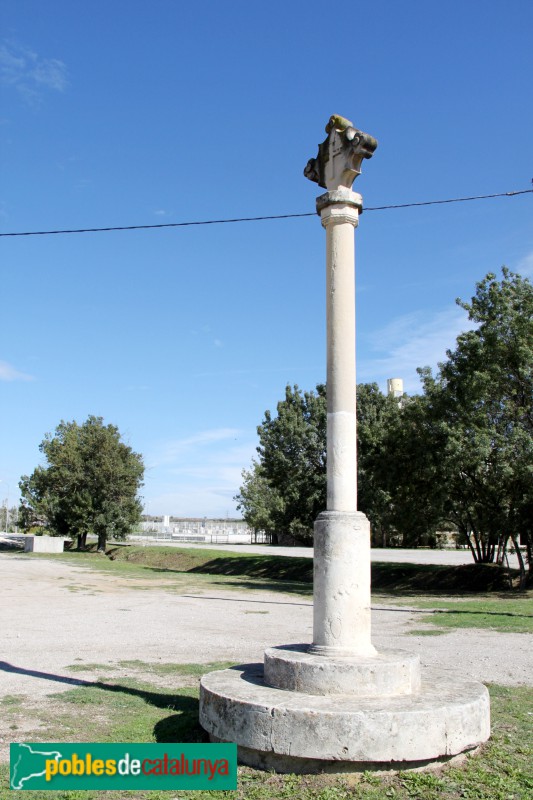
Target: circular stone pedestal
[[294, 731], [293, 668]]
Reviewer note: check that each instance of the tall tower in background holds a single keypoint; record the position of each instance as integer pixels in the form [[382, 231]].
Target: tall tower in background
[[395, 387]]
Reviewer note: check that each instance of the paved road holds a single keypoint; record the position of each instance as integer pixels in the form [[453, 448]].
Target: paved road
[[392, 554]]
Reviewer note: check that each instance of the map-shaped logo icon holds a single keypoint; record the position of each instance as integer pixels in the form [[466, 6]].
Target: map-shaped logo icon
[[28, 763]]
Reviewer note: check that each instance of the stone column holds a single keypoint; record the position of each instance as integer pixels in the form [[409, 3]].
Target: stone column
[[337, 705], [341, 604]]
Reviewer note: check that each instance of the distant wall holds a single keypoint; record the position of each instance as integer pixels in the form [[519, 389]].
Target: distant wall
[[198, 527], [44, 544]]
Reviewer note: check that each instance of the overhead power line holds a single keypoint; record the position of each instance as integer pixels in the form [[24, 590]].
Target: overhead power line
[[453, 200], [257, 219]]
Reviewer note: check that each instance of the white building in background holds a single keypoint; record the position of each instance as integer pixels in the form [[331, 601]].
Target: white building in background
[[228, 531]]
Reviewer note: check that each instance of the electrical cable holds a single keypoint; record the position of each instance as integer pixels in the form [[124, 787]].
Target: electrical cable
[[258, 219]]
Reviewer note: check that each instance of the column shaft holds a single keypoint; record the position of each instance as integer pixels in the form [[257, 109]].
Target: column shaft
[[339, 222], [341, 602]]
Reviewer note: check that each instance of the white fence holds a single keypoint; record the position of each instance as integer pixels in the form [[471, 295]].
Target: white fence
[[208, 531]]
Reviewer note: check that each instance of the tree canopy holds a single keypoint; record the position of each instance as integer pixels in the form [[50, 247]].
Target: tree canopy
[[460, 455], [89, 483], [285, 489], [480, 409]]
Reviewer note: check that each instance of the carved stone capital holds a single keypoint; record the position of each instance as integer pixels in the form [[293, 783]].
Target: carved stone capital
[[340, 155], [339, 215], [344, 197], [339, 206]]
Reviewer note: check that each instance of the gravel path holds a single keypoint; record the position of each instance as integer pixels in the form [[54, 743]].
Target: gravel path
[[54, 615]]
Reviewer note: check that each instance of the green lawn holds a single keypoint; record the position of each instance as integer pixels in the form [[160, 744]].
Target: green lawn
[[505, 614], [247, 570]]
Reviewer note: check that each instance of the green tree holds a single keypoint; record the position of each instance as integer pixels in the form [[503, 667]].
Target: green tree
[[460, 455], [464, 450], [285, 489], [411, 474], [376, 415], [259, 502], [8, 517], [484, 396], [88, 485]]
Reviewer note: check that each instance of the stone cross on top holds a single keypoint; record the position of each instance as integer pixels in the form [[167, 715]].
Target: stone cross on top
[[340, 156]]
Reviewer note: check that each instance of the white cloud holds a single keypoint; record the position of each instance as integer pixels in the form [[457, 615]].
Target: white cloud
[[173, 450], [410, 341], [9, 373], [525, 265], [199, 475], [192, 501], [30, 73], [218, 343]]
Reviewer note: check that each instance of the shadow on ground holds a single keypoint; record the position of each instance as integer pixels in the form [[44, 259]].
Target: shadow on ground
[[182, 726], [293, 574]]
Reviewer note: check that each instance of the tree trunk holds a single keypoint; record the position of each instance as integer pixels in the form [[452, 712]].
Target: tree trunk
[[529, 555], [502, 548], [472, 534], [82, 541], [473, 550], [522, 566], [102, 538]]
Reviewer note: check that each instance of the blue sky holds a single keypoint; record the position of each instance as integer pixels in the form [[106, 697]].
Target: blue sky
[[129, 112]]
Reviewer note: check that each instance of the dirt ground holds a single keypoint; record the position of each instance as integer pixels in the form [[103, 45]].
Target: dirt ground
[[54, 615], [62, 624]]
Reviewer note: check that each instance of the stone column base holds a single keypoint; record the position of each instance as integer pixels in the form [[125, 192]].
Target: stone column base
[[341, 585], [296, 668], [292, 731]]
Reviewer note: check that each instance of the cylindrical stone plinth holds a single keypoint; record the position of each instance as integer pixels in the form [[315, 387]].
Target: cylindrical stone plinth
[[341, 593], [387, 674]]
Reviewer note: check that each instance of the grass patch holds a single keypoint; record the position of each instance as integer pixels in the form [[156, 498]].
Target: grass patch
[[386, 577], [428, 632], [183, 570], [504, 614], [183, 670], [12, 699], [121, 709], [415, 579], [129, 711], [177, 565], [90, 667]]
